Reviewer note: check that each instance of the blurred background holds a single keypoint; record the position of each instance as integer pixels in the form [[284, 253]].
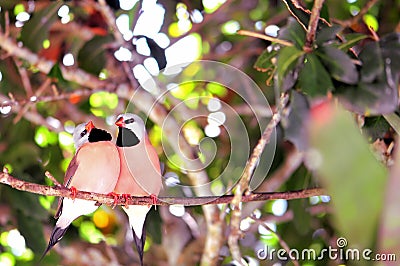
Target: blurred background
[[91, 60]]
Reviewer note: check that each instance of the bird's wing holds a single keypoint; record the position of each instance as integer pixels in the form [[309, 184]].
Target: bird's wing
[[73, 165]]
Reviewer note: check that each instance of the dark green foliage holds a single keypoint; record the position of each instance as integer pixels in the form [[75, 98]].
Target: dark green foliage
[[36, 30], [314, 79], [376, 127], [92, 56], [296, 126]]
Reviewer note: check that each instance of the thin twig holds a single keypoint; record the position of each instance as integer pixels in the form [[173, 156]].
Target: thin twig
[[49, 98], [31, 101], [297, 5], [356, 18], [264, 37], [76, 75], [313, 24], [245, 179], [52, 178], [110, 20], [293, 160], [196, 27], [62, 191]]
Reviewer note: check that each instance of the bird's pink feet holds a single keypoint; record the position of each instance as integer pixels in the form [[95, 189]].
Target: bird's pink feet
[[73, 192], [116, 197], [154, 200], [126, 198]]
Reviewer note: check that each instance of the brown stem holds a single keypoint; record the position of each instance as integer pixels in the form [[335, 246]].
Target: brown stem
[[245, 179], [264, 37], [363, 11], [313, 24]]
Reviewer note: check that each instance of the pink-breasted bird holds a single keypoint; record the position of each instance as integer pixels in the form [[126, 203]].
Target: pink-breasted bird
[[140, 172], [94, 168]]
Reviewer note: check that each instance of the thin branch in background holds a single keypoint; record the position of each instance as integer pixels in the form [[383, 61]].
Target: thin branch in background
[[75, 75], [264, 37], [52, 178], [196, 27], [48, 98], [297, 5], [32, 99], [243, 184], [108, 14], [360, 14], [293, 160], [313, 24], [111, 22], [26, 83], [33, 117]]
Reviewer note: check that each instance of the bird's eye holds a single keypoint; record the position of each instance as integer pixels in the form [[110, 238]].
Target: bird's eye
[[83, 133], [129, 121]]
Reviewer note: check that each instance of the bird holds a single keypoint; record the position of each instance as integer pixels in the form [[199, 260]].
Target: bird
[[140, 172], [95, 167]]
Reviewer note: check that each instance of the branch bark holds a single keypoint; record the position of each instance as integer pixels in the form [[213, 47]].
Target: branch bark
[[62, 191], [264, 37], [313, 24], [243, 185]]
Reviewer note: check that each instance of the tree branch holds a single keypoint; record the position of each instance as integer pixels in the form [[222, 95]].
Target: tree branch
[[245, 179], [356, 18], [293, 160], [62, 191], [313, 24], [264, 37]]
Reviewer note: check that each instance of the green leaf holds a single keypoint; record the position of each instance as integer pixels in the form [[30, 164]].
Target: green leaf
[[351, 40], [353, 177], [27, 203], [32, 230], [394, 121], [91, 57], [288, 58], [154, 228], [293, 32], [369, 98], [264, 62], [327, 34], [390, 47], [375, 127], [372, 63], [313, 78], [295, 128], [299, 208], [55, 72], [36, 30], [339, 64]]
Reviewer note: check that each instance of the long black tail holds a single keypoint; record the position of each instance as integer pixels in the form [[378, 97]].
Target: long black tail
[[139, 242], [55, 237]]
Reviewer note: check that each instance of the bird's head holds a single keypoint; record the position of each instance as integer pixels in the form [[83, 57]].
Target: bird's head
[[81, 133], [133, 123]]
